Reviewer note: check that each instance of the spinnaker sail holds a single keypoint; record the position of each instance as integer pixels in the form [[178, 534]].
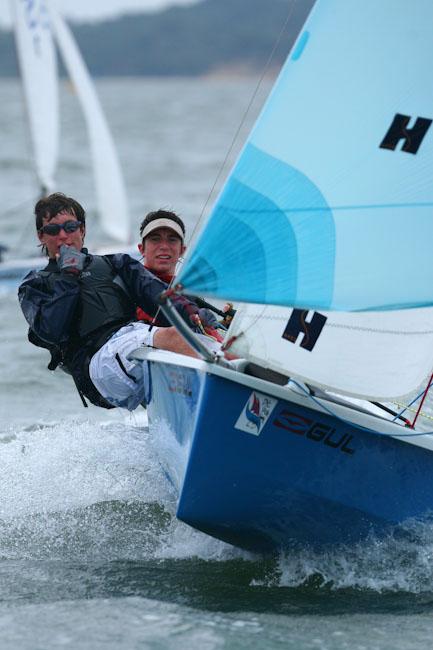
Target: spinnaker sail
[[330, 205]]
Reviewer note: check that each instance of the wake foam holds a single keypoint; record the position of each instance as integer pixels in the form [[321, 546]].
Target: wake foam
[[90, 490], [95, 491]]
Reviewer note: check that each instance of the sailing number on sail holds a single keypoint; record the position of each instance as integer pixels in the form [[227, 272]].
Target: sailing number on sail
[[412, 137], [310, 329]]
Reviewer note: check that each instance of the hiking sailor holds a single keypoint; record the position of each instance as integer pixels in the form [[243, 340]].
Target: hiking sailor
[[162, 235], [82, 308]]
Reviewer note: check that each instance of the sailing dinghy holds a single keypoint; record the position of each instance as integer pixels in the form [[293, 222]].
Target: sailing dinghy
[[323, 232], [38, 27]]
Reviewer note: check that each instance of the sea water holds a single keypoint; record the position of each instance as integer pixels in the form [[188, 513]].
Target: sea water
[[91, 555]]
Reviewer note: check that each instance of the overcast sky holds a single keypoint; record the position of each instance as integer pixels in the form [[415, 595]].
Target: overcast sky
[[94, 9]]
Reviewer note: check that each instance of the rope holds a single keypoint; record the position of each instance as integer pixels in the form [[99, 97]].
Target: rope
[[422, 401], [244, 117], [407, 408], [235, 138], [358, 426]]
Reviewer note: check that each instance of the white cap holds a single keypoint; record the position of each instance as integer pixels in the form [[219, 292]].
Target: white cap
[[162, 223]]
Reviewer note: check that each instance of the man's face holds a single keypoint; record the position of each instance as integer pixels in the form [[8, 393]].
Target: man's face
[[53, 242], [161, 249]]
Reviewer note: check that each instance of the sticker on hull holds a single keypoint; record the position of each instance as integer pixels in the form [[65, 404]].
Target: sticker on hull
[[255, 413]]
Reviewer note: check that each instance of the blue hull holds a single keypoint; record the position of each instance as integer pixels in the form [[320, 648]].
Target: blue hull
[[262, 472]]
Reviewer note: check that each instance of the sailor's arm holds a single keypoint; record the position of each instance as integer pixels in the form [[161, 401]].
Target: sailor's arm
[[168, 338], [49, 311]]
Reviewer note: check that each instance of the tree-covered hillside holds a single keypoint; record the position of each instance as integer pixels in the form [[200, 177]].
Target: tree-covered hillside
[[209, 37]]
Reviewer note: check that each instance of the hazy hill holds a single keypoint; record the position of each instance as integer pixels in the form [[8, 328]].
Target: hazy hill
[[210, 37]]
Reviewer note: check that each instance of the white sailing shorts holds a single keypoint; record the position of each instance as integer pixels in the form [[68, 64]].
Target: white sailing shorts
[[122, 382]]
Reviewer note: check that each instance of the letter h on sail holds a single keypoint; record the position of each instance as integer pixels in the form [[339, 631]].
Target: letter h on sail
[[412, 137], [299, 325]]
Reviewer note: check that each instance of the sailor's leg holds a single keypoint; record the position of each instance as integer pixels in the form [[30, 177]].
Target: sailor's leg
[[118, 379]]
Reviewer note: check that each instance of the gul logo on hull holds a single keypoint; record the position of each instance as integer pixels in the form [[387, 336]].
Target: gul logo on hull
[[315, 431], [255, 413]]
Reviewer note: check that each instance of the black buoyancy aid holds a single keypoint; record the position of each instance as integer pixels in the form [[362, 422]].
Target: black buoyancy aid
[[104, 306], [104, 299]]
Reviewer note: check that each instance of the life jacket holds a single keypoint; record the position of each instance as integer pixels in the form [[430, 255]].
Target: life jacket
[[104, 299], [153, 318], [103, 308]]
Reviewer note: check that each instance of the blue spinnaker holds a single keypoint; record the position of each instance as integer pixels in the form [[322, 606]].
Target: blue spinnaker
[[330, 204]]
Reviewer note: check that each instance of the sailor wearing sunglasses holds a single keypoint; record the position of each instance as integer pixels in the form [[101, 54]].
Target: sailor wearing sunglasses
[[82, 308]]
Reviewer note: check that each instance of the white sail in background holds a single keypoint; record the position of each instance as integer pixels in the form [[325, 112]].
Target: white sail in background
[[38, 66], [110, 189], [379, 355]]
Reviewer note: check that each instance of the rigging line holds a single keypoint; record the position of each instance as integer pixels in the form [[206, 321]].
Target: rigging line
[[236, 135], [229, 340], [354, 424], [408, 405], [391, 412], [246, 113], [423, 414], [422, 401]]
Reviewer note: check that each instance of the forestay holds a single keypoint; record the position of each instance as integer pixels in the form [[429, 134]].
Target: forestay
[[38, 66], [110, 190], [330, 205], [380, 355]]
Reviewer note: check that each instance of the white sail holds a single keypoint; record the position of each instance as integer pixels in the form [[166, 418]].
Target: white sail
[[110, 189], [380, 355], [38, 66]]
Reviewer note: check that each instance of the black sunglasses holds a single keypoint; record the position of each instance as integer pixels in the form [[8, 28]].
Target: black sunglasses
[[54, 229]]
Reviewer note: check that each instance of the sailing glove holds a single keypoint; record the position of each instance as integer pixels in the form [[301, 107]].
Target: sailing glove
[[71, 260], [208, 319]]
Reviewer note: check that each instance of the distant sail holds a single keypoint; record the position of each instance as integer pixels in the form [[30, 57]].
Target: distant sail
[[38, 66], [110, 189], [376, 355], [330, 205]]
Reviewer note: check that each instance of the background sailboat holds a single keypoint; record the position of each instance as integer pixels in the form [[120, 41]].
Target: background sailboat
[[38, 26], [110, 187]]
